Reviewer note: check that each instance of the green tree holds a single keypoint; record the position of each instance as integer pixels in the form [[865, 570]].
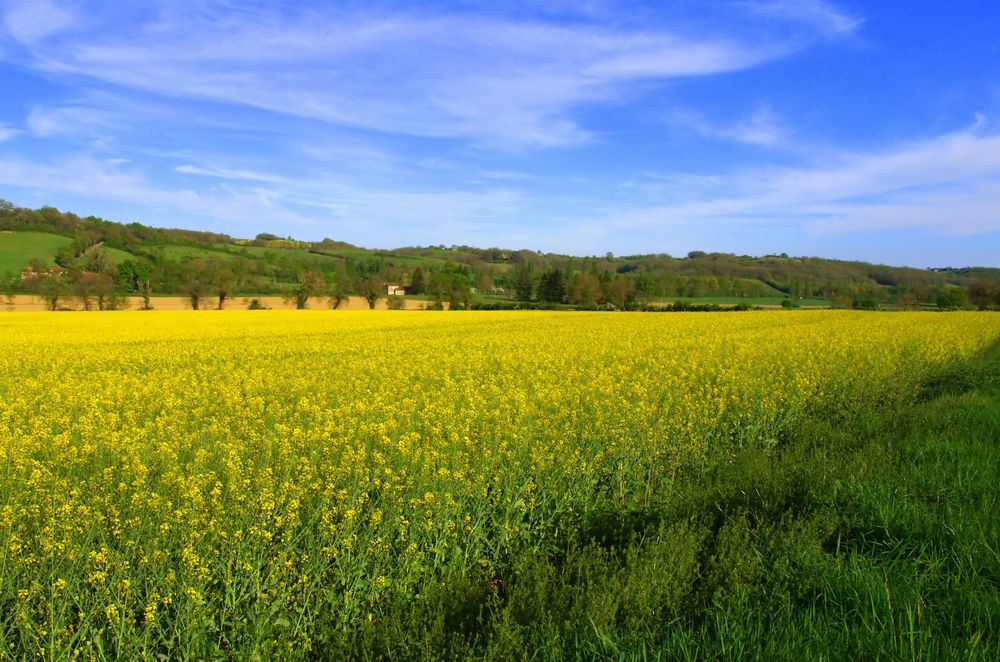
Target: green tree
[[620, 292], [308, 284], [146, 291], [336, 293], [417, 284], [83, 288], [224, 282], [95, 260], [371, 290], [952, 298], [551, 287], [984, 294], [108, 297], [524, 282], [52, 289], [584, 290], [195, 290], [11, 284]]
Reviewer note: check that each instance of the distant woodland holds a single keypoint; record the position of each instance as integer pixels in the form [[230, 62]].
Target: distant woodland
[[53, 253]]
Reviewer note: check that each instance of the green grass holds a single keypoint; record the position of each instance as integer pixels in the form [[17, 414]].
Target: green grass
[[179, 253], [297, 254], [17, 249], [873, 535], [117, 256]]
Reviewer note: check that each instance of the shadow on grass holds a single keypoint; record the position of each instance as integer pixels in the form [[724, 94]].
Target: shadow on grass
[[870, 538]]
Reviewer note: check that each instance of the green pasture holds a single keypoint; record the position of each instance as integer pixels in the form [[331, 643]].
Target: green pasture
[[17, 249]]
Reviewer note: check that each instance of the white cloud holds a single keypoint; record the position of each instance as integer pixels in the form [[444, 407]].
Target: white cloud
[[85, 176], [822, 15], [489, 79], [764, 127], [6, 133], [949, 185], [223, 173], [31, 22]]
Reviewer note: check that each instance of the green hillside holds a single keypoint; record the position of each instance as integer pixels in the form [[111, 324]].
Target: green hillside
[[17, 249], [195, 263]]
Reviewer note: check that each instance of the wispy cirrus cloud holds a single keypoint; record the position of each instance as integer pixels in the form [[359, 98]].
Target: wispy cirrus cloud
[[822, 16], [225, 173], [948, 185], [763, 127], [31, 22], [473, 76], [247, 202], [89, 177]]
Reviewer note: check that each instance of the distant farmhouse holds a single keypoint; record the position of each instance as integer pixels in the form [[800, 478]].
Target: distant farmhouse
[[31, 273], [392, 289]]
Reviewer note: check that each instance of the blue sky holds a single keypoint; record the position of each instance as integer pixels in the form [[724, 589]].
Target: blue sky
[[856, 130]]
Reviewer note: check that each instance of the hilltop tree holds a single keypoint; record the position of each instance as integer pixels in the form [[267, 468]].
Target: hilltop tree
[[96, 260]]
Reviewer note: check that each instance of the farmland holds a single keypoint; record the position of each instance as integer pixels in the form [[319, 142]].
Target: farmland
[[303, 483]]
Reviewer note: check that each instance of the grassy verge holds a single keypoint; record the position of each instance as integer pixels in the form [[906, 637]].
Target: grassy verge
[[873, 538]]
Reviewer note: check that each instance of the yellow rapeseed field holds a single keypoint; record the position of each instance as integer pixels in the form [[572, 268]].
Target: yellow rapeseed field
[[179, 483]]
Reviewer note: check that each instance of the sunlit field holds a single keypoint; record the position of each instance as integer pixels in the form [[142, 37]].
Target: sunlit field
[[237, 483]]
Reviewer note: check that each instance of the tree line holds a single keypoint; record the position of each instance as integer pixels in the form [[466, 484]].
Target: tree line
[[211, 268]]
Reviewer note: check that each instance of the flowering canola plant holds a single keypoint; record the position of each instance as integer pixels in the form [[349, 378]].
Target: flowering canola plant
[[183, 483]]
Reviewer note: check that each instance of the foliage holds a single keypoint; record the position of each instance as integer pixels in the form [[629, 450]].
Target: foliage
[[984, 294], [952, 298], [416, 282], [371, 290], [309, 284], [269, 264]]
